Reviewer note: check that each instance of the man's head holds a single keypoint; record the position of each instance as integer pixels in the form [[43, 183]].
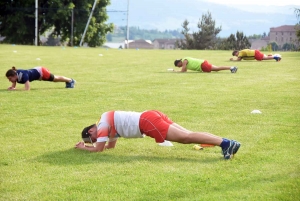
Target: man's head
[[178, 62], [89, 134], [235, 53]]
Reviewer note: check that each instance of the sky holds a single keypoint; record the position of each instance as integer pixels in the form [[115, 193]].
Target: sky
[[249, 16], [257, 2]]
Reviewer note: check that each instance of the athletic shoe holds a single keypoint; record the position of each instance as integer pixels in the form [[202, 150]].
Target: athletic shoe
[[70, 84], [73, 83], [277, 57], [231, 149], [233, 69], [237, 147]]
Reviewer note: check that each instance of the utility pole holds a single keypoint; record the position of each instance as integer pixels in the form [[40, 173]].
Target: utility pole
[[87, 24], [127, 36], [36, 23], [72, 27]]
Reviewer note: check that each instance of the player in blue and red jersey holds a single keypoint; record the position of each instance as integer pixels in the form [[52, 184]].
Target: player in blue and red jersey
[[38, 73]]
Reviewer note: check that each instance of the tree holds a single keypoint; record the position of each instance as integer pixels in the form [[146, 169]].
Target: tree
[[18, 20], [236, 42], [289, 46], [241, 41], [231, 41], [297, 11], [206, 37], [187, 43], [207, 34], [274, 45]]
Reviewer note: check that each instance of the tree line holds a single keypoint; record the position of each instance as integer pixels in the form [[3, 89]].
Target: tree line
[[60, 16], [120, 33], [67, 18], [206, 37]]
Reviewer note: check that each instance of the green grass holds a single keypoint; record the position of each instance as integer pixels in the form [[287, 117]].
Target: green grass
[[40, 127]]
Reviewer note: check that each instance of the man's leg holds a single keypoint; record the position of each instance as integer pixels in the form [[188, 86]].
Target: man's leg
[[233, 69], [277, 57], [58, 78], [177, 134], [184, 136]]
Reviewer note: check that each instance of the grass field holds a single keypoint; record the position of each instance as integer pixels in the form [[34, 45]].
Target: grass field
[[40, 127]]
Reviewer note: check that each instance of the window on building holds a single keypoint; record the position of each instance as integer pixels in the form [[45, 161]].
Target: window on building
[[276, 39], [281, 33], [282, 39], [276, 33]]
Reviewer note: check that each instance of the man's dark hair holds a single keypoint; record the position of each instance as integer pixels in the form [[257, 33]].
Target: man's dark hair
[[234, 52]]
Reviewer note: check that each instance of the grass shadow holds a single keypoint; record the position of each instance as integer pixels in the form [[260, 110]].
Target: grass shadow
[[32, 89], [78, 157]]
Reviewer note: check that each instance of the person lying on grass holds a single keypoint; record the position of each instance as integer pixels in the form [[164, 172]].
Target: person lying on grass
[[38, 73], [201, 65], [152, 123], [248, 54]]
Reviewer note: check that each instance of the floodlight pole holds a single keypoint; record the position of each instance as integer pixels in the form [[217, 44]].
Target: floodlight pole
[[127, 36], [36, 23], [72, 27], [87, 24]]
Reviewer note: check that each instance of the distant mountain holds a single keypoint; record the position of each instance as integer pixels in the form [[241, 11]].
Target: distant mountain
[[170, 14]]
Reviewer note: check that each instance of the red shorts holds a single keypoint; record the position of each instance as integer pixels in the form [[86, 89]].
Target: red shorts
[[155, 124], [45, 73], [258, 55], [206, 67]]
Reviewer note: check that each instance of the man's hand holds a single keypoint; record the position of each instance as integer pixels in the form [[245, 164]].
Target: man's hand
[[80, 145], [11, 88]]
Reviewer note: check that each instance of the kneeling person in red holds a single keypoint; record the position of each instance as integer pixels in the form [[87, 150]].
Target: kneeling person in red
[[152, 123]]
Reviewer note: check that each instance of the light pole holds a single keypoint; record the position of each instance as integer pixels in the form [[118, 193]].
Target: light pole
[[127, 37], [72, 26], [87, 24], [36, 23]]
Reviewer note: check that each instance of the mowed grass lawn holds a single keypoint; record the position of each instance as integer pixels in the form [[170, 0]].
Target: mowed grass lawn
[[40, 127]]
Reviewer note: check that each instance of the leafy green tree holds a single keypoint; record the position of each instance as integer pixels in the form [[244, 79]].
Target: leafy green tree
[[264, 35], [238, 41], [207, 34], [242, 41], [297, 11], [231, 41], [257, 36], [289, 46], [205, 38], [188, 42], [18, 20], [274, 46]]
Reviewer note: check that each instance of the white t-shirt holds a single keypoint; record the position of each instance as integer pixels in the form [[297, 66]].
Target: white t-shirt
[[118, 124]]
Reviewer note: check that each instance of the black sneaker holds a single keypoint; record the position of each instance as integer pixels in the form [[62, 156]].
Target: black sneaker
[[231, 149], [70, 84], [233, 69]]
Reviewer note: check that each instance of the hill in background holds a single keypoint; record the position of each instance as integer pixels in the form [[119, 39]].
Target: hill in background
[[170, 14]]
